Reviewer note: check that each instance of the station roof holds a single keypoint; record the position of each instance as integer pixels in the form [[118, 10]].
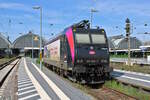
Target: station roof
[[120, 42], [25, 41], [4, 42], [147, 43]]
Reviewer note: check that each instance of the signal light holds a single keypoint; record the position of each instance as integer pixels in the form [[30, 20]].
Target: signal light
[[128, 28]]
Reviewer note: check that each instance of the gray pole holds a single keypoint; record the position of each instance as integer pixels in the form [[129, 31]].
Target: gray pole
[[128, 37], [38, 7], [92, 11], [9, 28], [129, 51], [9, 51], [91, 17], [41, 38], [32, 47]]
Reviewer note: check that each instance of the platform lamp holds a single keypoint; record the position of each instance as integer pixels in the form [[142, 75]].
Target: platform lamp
[[92, 11], [40, 8]]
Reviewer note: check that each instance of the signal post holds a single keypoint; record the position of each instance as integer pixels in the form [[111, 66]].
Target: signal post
[[128, 38]]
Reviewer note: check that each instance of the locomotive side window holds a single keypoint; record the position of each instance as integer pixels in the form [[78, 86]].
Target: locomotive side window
[[83, 38], [98, 39]]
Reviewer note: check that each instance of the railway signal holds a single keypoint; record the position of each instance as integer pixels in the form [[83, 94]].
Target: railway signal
[[128, 39], [127, 27]]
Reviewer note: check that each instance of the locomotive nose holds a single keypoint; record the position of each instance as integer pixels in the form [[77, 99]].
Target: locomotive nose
[[91, 54]]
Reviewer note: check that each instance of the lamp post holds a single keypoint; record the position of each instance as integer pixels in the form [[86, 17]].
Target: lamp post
[[9, 23], [92, 11], [24, 25], [50, 27], [32, 46], [40, 8]]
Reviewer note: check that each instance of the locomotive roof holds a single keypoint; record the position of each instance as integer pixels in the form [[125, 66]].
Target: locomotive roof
[[82, 25], [78, 29]]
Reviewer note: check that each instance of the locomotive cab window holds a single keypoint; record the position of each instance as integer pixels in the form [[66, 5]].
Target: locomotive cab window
[[83, 38], [98, 39]]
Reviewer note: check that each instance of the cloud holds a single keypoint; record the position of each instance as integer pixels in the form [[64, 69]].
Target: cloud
[[123, 7], [15, 6], [11, 5], [19, 16], [118, 7]]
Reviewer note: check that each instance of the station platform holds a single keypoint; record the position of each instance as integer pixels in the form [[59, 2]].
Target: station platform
[[133, 60], [36, 84], [26, 89]]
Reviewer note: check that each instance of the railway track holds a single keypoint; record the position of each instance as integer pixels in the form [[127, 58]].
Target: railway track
[[8, 79], [4, 64], [6, 68], [110, 94], [100, 92]]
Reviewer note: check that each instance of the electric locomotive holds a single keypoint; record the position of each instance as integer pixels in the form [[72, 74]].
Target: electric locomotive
[[79, 53]]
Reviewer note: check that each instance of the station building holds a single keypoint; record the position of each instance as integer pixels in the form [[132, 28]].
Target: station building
[[119, 44], [27, 43]]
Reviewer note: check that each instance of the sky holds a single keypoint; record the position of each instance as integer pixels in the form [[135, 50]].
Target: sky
[[18, 16]]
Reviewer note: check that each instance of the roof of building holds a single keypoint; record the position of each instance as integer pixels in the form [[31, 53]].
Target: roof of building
[[4, 42], [147, 43], [26, 41], [120, 42]]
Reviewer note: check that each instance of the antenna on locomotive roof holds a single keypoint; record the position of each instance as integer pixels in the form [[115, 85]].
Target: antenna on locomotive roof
[[82, 24]]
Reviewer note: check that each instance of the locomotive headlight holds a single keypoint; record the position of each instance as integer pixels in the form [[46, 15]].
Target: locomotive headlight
[[91, 47]]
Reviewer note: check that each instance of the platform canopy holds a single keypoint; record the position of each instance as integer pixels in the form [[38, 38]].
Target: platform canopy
[[145, 48]]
